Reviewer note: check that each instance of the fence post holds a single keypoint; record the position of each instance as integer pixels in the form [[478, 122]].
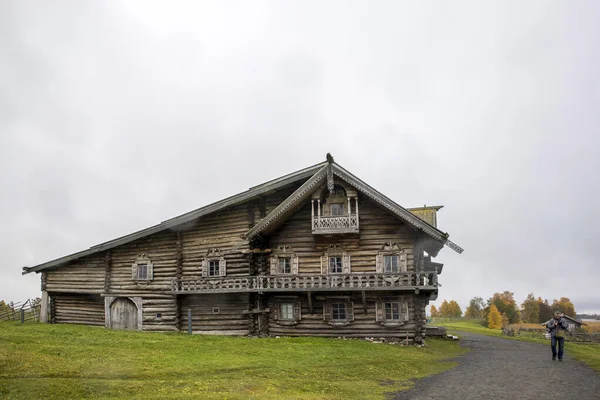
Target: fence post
[[190, 321], [22, 316]]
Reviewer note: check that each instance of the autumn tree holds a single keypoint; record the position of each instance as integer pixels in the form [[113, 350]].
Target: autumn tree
[[565, 306], [530, 309], [445, 309], [455, 310], [434, 312], [546, 312], [504, 320], [494, 319], [475, 309], [505, 304]]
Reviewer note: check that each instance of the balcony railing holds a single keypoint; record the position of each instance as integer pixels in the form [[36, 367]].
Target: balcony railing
[[306, 283], [342, 224]]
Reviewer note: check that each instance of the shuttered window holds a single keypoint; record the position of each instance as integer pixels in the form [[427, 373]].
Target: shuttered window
[[142, 271]]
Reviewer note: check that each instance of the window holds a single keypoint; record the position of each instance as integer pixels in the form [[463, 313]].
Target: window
[[392, 311], [213, 268], [336, 210], [286, 312], [285, 265], [335, 265], [391, 263], [338, 311], [142, 270]]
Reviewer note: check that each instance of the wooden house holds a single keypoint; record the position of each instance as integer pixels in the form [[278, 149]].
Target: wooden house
[[314, 253]]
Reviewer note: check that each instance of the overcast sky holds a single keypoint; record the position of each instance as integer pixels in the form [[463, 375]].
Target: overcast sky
[[117, 115]]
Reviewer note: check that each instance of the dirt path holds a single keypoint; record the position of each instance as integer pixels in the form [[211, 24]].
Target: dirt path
[[497, 368]]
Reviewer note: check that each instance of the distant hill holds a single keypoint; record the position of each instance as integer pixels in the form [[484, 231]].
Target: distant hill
[[588, 316]]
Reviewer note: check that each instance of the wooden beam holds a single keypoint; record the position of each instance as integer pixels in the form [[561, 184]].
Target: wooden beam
[[310, 304], [364, 300]]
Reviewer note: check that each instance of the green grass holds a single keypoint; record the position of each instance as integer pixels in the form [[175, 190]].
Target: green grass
[[67, 361], [587, 353]]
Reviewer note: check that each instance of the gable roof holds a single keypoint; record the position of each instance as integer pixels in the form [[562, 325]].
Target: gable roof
[[314, 175], [296, 199], [569, 318]]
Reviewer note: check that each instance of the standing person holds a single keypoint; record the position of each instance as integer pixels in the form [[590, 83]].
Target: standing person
[[557, 327]]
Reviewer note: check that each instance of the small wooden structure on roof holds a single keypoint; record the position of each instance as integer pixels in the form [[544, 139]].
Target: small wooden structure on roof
[[317, 252]]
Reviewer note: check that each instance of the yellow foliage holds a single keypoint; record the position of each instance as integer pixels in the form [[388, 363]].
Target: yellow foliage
[[494, 318]]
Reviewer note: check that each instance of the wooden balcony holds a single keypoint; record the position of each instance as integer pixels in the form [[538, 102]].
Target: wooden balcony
[[306, 283], [341, 224]]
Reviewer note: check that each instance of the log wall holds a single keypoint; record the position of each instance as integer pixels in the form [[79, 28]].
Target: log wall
[[80, 309], [85, 275], [230, 319], [364, 325], [220, 231], [166, 306], [377, 227]]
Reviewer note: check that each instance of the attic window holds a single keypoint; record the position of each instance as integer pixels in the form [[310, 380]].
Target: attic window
[[337, 210]]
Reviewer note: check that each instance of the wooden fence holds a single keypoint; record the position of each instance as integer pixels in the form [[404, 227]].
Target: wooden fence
[[28, 310], [539, 333]]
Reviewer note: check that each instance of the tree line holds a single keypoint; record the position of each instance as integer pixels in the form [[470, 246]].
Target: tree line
[[501, 309]]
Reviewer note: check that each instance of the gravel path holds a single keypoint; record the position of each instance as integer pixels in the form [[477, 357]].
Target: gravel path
[[497, 368]]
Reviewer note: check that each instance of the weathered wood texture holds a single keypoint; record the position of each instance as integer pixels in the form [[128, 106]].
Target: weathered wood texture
[[159, 313], [86, 275], [228, 319], [377, 227], [124, 314], [161, 249], [77, 309], [220, 231], [364, 325]]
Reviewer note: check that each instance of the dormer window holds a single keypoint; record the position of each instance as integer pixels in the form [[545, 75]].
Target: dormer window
[[334, 210]]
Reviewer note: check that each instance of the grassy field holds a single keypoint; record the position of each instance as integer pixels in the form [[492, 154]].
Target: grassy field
[[66, 361], [588, 353]]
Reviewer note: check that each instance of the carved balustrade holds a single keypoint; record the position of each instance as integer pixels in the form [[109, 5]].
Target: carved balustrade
[[305, 283], [339, 224]]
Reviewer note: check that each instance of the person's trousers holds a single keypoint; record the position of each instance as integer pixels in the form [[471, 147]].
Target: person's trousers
[[561, 346]]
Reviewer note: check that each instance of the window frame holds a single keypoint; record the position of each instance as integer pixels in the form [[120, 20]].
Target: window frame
[[278, 314], [142, 263], [381, 314], [334, 302], [213, 268], [380, 266], [214, 255], [282, 252], [338, 206]]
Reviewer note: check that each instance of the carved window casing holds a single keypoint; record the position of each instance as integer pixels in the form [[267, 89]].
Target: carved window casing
[[142, 270], [284, 261], [391, 259], [335, 261], [214, 264], [287, 310], [391, 311], [338, 311]]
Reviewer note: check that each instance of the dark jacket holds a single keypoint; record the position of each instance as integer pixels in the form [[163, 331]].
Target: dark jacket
[[558, 329]]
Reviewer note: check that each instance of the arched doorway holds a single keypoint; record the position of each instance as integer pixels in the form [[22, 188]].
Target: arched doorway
[[123, 314]]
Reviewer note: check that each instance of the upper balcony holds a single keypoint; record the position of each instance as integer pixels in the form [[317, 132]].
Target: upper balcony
[[413, 281], [334, 211]]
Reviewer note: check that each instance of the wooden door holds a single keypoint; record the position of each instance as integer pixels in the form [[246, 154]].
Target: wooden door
[[123, 314]]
